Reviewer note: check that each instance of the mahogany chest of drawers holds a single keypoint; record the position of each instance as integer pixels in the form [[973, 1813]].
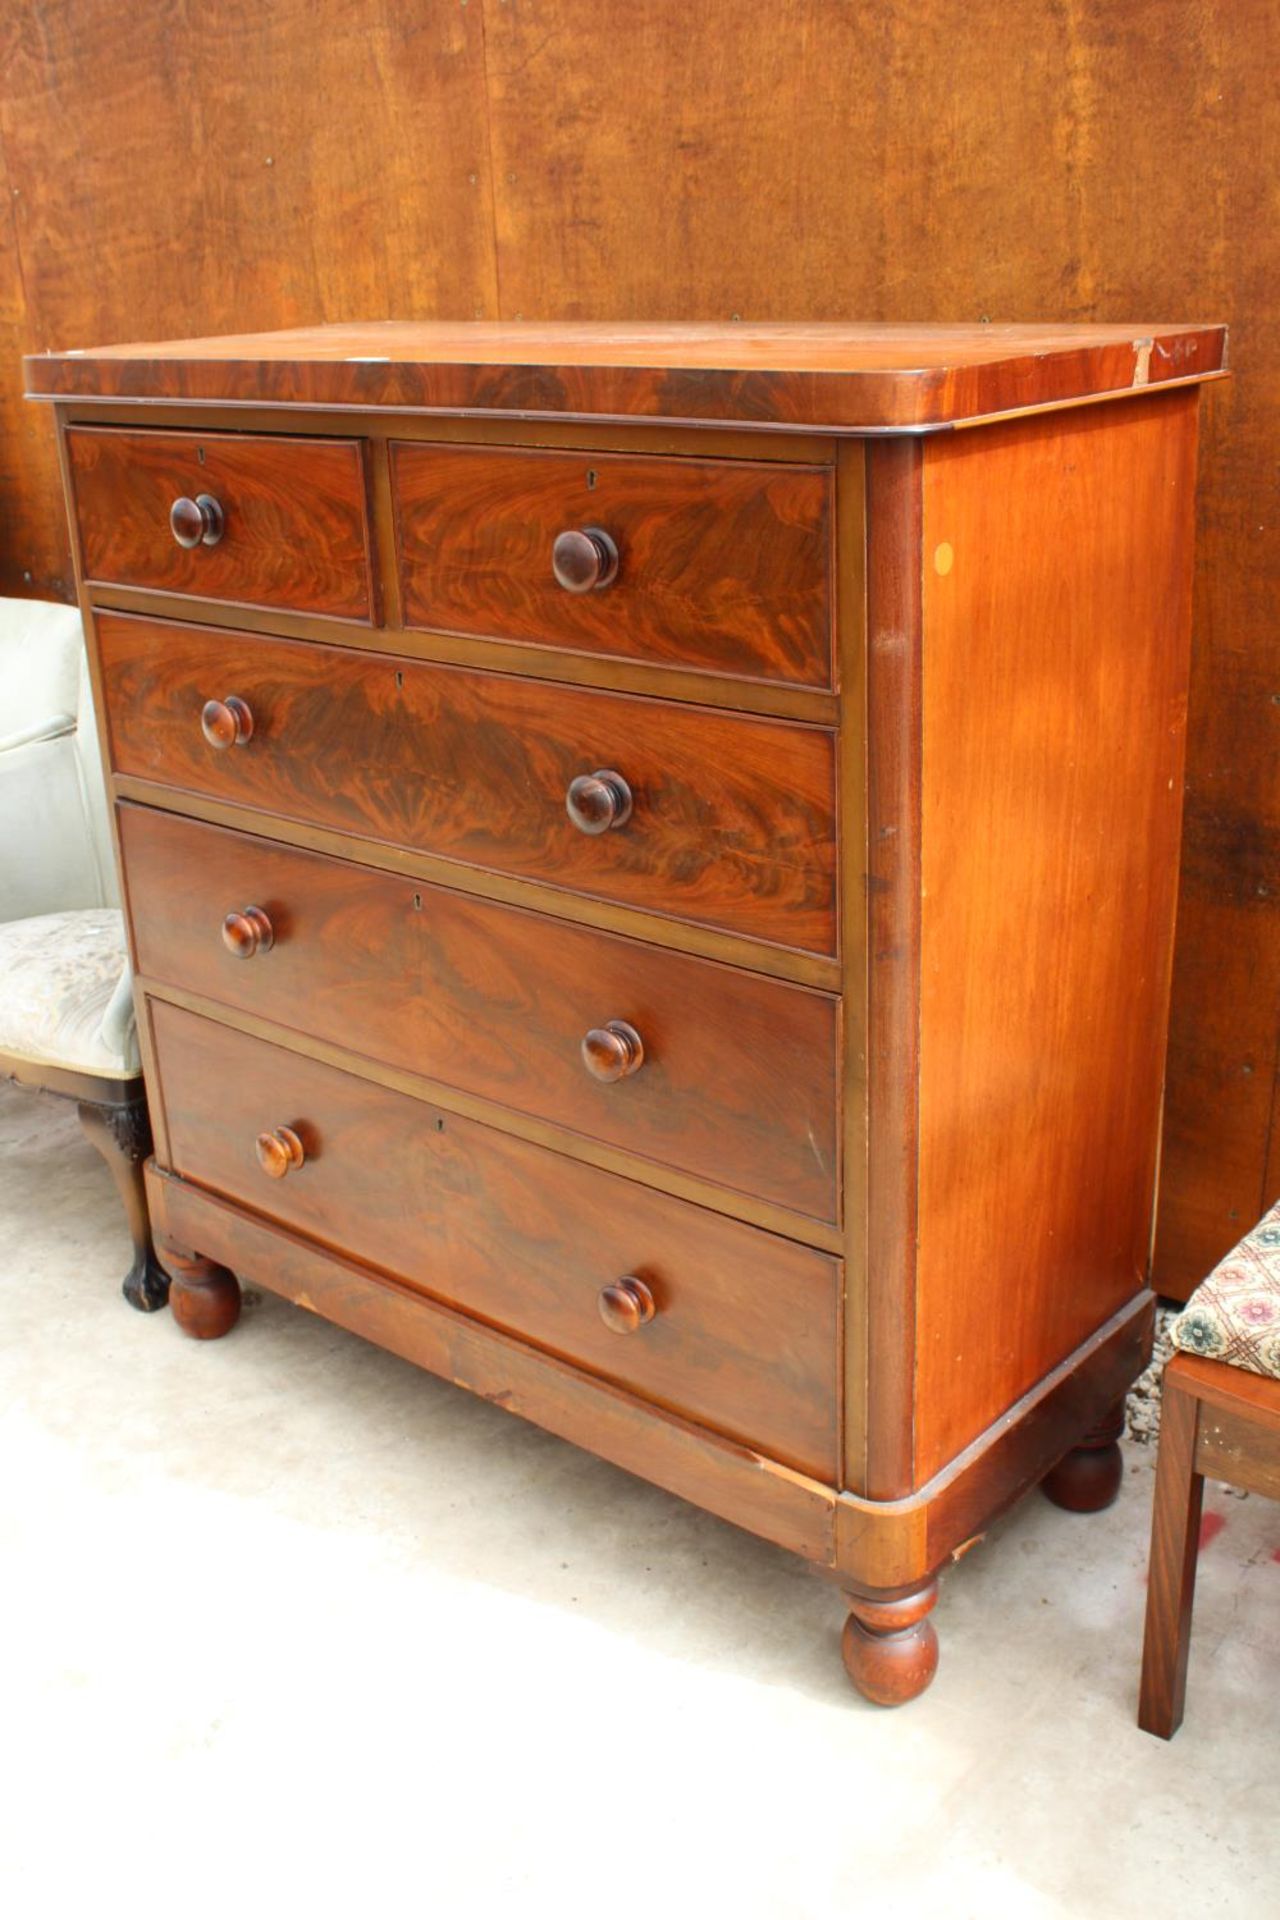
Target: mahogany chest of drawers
[[650, 856]]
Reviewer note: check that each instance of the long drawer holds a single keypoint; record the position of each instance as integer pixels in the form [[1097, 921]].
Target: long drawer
[[730, 1326], [707, 816], [720, 564], [261, 520], [734, 1076]]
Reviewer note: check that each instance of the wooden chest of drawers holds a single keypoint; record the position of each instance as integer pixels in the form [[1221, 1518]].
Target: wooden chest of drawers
[[650, 857]]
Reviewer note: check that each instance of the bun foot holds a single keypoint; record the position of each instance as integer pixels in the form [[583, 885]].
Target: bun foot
[[889, 1646], [204, 1298], [1088, 1478]]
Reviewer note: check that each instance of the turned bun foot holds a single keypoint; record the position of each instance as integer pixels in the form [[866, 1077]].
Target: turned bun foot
[[204, 1298], [890, 1648], [1088, 1478]]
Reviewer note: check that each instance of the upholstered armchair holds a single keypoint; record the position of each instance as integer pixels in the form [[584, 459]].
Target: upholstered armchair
[[66, 993]]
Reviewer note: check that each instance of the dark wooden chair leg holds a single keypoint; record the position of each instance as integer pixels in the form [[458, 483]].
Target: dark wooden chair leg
[[204, 1298], [122, 1135], [1088, 1478], [1171, 1581], [890, 1648]]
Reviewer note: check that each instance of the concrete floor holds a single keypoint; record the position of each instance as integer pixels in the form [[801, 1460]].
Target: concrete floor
[[290, 1627]]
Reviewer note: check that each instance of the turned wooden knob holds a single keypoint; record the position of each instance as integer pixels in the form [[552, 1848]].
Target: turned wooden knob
[[226, 723], [198, 522], [279, 1151], [612, 1051], [626, 1304], [583, 559], [248, 932], [597, 801]]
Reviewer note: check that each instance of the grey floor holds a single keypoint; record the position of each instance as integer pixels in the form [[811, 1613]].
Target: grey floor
[[290, 1627]]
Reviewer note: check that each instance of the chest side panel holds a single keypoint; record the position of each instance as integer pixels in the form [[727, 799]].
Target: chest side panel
[[1056, 592]]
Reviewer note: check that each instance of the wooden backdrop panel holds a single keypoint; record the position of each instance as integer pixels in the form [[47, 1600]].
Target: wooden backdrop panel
[[177, 170], [891, 159]]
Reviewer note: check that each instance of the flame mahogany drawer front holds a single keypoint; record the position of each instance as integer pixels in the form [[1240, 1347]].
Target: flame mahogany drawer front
[[713, 817], [702, 1067], [263, 522], [724, 1323], [719, 564]]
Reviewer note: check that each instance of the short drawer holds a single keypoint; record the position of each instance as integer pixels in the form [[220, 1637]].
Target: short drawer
[[743, 1329], [282, 522], [706, 1068], [719, 818], [719, 564]]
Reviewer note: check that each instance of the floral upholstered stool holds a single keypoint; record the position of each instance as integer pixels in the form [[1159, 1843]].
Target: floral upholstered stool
[[1221, 1417]]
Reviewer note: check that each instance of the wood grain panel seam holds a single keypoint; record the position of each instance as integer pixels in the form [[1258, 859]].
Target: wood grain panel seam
[[1267, 1173], [12, 199], [491, 163]]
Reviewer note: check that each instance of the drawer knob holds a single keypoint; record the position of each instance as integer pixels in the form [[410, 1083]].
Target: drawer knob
[[279, 1152], [248, 932], [198, 522], [612, 1051], [584, 559], [597, 801], [626, 1304], [226, 723]]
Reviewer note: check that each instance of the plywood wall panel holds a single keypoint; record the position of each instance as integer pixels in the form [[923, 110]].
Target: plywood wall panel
[[188, 170], [1219, 1104], [35, 550], [797, 159], [927, 159]]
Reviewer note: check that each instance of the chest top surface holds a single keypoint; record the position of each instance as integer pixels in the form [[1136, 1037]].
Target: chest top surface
[[829, 377]]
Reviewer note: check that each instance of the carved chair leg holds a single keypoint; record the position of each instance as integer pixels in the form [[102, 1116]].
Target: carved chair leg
[[1088, 1478], [122, 1135], [1171, 1583], [204, 1298], [890, 1648]]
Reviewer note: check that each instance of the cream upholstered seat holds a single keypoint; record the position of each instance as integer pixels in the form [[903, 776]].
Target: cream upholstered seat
[[67, 1023], [66, 995]]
